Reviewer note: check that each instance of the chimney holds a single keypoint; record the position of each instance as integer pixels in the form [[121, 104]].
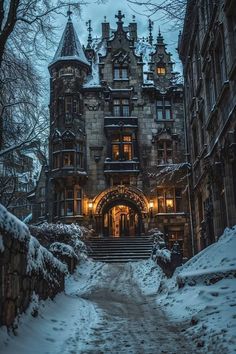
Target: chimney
[[105, 30], [133, 31]]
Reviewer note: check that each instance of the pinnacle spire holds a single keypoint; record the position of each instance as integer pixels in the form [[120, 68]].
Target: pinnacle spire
[[69, 47], [120, 16], [89, 28], [69, 13], [150, 28], [160, 39]]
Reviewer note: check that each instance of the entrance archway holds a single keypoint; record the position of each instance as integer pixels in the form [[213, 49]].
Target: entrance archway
[[120, 211]]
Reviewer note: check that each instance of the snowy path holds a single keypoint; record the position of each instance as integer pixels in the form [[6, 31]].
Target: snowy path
[[104, 311]]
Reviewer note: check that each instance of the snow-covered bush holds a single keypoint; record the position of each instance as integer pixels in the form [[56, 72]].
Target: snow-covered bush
[[72, 235], [40, 260], [164, 255]]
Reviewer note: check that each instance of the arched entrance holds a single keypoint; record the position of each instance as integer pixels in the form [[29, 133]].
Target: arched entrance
[[120, 212]]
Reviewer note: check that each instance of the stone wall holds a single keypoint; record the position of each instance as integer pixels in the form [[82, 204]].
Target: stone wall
[[25, 268]]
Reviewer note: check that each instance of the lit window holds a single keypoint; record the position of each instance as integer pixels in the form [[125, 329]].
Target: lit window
[[122, 148], [68, 159], [161, 70], [163, 109], [169, 200]]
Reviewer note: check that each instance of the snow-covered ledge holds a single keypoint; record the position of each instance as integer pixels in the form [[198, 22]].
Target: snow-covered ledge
[[25, 268]]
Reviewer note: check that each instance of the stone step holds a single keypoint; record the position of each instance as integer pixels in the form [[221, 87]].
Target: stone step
[[120, 250]]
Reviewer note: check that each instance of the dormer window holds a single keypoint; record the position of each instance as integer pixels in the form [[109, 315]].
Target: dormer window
[[161, 70]]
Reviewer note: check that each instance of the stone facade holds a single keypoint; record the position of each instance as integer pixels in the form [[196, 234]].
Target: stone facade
[[208, 51], [116, 121]]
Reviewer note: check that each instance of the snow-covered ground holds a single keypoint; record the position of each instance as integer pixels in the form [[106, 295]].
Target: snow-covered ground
[[133, 308], [102, 311], [207, 299]]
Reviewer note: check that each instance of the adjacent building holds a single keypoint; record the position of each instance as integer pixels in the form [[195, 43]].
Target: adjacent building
[[208, 51], [116, 152]]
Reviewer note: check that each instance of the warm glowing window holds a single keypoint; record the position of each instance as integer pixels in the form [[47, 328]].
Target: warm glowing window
[[169, 200], [68, 159], [122, 147], [161, 70]]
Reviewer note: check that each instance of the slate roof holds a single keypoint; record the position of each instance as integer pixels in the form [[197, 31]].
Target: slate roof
[[69, 47]]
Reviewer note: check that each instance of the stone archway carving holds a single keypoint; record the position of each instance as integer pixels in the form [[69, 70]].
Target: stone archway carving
[[121, 192]]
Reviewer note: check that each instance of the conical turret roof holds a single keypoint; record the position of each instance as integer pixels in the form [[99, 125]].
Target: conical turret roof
[[69, 47]]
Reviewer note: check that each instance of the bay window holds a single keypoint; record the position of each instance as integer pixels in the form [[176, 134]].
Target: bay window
[[68, 202], [122, 148]]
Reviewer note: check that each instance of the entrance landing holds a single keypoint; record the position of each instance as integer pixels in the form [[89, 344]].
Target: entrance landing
[[120, 249]]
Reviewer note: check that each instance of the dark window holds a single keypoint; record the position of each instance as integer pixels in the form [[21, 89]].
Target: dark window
[[210, 90], [68, 202], [120, 72], [195, 142], [164, 152], [164, 109], [56, 160], [220, 64], [121, 107]]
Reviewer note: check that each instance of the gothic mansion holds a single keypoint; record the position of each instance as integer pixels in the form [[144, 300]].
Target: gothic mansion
[[117, 135]]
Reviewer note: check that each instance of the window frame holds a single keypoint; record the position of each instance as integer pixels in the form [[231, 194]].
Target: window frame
[[164, 105], [120, 72], [118, 146], [120, 108], [163, 197], [165, 152]]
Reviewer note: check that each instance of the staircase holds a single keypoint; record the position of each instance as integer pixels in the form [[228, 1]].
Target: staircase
[[120, 249]]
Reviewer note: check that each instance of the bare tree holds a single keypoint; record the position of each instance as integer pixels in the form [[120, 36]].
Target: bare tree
[[170, 10]]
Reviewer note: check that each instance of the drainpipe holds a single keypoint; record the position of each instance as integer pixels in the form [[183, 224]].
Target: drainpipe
[[188, 177]]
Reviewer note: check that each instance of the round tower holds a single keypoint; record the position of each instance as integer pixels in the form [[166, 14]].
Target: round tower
[[67, 166]]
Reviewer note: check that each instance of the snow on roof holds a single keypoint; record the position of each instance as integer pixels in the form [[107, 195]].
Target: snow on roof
[[69, 47], [93, 79]]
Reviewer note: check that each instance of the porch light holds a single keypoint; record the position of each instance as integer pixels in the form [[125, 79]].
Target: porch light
[[90, 208], [90, 205], [151, 204]]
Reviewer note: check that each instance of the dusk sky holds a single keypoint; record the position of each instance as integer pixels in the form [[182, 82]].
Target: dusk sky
[[96, 14]]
